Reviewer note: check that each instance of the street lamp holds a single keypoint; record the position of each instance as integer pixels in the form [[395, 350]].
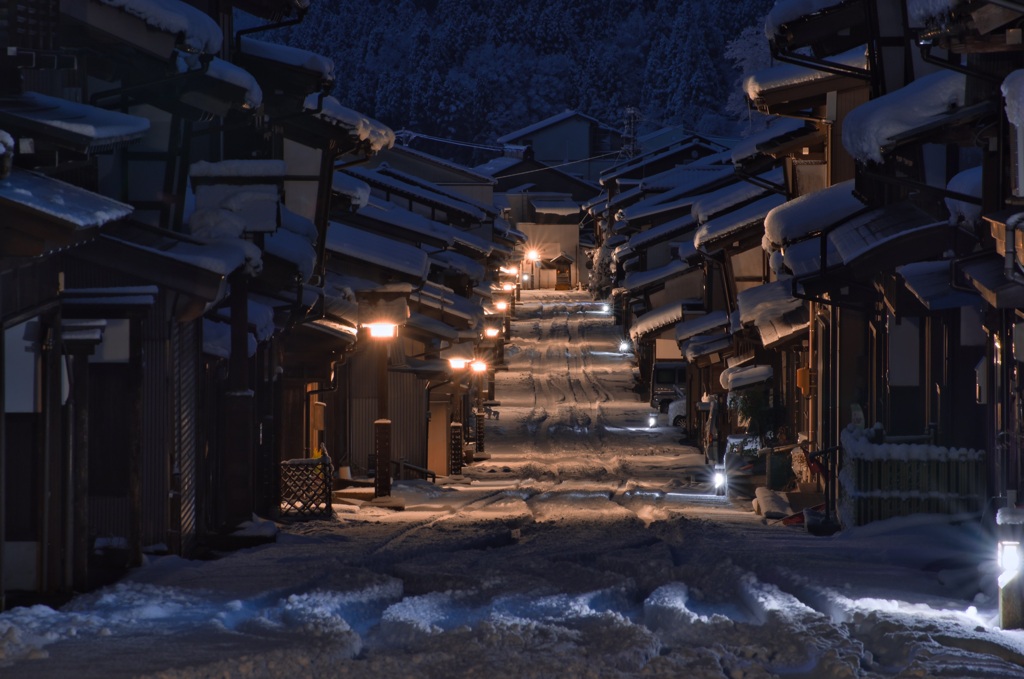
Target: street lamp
[[533, 256], [381, 311]]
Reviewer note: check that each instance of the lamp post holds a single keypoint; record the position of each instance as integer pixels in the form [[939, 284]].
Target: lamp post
[[479, 369], [455, 436], [532, 255], [381, 333]]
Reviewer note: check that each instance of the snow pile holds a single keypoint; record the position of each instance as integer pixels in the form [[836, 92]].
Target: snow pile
[[872, 125]]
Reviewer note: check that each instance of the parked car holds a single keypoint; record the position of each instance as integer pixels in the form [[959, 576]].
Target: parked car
[[677, 414], [668, 384], [744, 465]]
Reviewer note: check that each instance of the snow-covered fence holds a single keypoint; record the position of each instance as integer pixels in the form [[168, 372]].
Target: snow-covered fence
[[883, 480], [306, 486]]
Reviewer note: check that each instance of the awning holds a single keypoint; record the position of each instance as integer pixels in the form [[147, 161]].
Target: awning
[[639, 280], [702, 324], [79, 127], [656, 320], [43, 213], [744, 375], [711, 346], [787, 87], [931, 283], [733, 225], [987, 275], [773, 310], [425, 327]]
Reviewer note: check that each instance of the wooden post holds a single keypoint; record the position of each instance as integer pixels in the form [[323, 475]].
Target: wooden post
[[455, 448], [382, 447]]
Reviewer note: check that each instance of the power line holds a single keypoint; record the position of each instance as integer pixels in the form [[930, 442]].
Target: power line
[[408, 135]]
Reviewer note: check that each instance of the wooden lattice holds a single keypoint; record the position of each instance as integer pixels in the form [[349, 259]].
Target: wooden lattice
[[306, 486]]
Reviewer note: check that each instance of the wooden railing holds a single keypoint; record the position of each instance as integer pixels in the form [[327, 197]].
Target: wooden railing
[[306, 486]]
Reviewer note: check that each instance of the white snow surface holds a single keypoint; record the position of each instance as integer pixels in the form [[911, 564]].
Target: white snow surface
[[200, 32], [584, 544], [874, 123]]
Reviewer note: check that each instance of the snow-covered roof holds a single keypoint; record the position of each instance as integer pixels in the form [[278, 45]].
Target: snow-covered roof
[[85, 128], [716, 202], [414, 189], [931, 283], [700, 325], [657, 319], [294, 248], [747, 147], [773, 310], [494, 166], [444, 299], [548, 122], [377, 250], [432, 326], [870, 126], [969, 183], [731, 223], [225, 71], [58, 200], [661, 232], [217, 339], [704, 345], [251, 168], [357, 191], [402, 149], [691, 144], [785, 11], [740, 376], [793, 220], [291, 56], [377, 135], [638, 280], [392, 214], [198, 30], [787, 75], [657, 204], [460, 263]]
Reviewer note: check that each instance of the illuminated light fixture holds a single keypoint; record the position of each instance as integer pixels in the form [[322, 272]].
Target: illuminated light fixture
[[533, 255], [510, 270], [491, 333], [623, 346], [719, 479], [382, 330], [513, 270], [478, 366], [526, 277], [501, 306], [1009, 560], [458, 363], [605, 308], [508, 287], [652, 419]]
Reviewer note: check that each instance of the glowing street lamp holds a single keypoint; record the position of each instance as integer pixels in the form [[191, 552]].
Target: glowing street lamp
[[533, 256]]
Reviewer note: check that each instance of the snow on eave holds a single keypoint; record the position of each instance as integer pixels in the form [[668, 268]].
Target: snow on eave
[[675, 148], [730, 223], [455, 261], [386, 253], [291, 56], [496, 165], [638, 280], [744, 376], [714, 203], [104, 129], [198, 30], [358, 191], [764, 302], [60, 200], [442, 162], [810, 212], [747, 147], [968, 183], [870, 126], [409, 187], [656, 319], [376, 135], [702, 325], [274, 169], [406, 220], [662, 232], [788, 75], [225, 71]]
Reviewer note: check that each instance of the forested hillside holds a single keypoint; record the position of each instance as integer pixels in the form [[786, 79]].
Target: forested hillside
[[473, 70]]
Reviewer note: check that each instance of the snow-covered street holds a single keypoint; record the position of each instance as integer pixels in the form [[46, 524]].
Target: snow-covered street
[[588, 544]]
